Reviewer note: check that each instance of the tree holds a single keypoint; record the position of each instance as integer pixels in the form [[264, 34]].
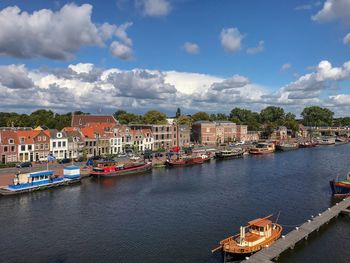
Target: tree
[[290, 122], [178, 113], [118, 113], [317, 116], [247, 117], [272, 114], [200, 116], [154, 117], [184, 120], [126, 118]]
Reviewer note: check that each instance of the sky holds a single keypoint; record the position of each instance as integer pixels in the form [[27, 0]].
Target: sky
[[199, 55]]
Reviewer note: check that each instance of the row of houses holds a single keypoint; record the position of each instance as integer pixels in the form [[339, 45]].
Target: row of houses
[[95, 135]]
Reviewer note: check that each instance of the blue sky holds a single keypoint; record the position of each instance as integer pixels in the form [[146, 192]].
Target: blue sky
[[260, 53]]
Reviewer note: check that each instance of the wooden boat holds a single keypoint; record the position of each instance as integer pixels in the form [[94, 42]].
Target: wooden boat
[[287, 146], [341, 140], [121, 169], [307, 144], [230, 154], [29, 182], [258, 234], [262, 148], [341, 187], [184, 161]]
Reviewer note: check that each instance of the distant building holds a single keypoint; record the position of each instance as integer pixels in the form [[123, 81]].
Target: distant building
[[26, 145], [225, 131], [82, 121], [204, 132], [165, 136], [9, 146], [183, 135], [58, 144], [75, 142]]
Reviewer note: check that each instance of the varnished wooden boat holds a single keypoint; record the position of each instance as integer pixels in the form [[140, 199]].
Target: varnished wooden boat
[[258, 234], [262, 148]]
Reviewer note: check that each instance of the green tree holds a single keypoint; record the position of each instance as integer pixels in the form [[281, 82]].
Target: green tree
[[290, 122], [184, 120], [247, 117], [317, 116], [201, 116], [154, 117], [272, 114], [126, 118]]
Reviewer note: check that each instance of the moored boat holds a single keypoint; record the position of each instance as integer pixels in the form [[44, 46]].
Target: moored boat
[[341, 187], [230, 154], [262, 148], [307, 144], [121, 169], [184, 161], [258, 234], [287, 146], [29, 182], [326, 141]]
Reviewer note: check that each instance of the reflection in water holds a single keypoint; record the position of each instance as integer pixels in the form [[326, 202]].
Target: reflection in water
[[177, 215]]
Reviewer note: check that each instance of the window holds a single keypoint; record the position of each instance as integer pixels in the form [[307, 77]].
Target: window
[[59, 144], [44, 138], [22, 139], [53, 144], [46, 146], [11, 141], [36, 146], [5, 148], [13, 148], [41, 146], [23, 148], [39, 138]]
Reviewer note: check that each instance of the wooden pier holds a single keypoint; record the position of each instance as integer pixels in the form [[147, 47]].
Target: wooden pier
[[271, 253]]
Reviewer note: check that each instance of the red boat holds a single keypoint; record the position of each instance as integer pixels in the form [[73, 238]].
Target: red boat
[[123, 169], [185, 161]]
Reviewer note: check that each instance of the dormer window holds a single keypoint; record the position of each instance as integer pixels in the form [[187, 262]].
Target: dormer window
[[11, 141], [39, 138], [44, 138]]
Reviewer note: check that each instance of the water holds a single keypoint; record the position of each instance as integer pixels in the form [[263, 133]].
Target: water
[[178, 215]]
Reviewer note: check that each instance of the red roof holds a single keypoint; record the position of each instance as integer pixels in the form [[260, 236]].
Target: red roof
[[88, 133], [84, 120], [6, 135], [28, 135]]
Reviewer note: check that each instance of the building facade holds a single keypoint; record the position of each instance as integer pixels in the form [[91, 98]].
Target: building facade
[[9, 146], [58, 144]]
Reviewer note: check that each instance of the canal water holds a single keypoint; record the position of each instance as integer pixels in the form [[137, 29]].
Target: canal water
[[179, 214]]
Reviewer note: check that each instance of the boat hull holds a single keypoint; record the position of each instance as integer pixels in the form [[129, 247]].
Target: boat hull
[[184, 162], [340, 188], [66, 182], [286, 148], [231, 156], [260, 152], [133, 170]]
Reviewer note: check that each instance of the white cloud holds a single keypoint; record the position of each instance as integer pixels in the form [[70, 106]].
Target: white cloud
[[333, 10], [15, 77], [82, 67], [191, 48], [256, 50], [121, 50], [346, 39], [54, 35], [234, 82], [154, 7], [307, 6], [231, 39], [84, 87], [286, 67], [189, 83]]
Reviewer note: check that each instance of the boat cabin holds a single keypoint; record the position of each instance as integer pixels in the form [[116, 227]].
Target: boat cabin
[[33, 179], [256, 232]]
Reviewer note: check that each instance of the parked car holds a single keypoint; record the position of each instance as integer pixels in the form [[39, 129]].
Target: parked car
[[158, 155], [65, 160], [24, 164]]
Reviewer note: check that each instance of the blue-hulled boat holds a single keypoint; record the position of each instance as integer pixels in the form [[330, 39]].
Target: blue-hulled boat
[[341, 187], [28, 182]]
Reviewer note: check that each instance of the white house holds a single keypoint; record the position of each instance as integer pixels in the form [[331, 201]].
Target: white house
[[115, 142], [58, 144]]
